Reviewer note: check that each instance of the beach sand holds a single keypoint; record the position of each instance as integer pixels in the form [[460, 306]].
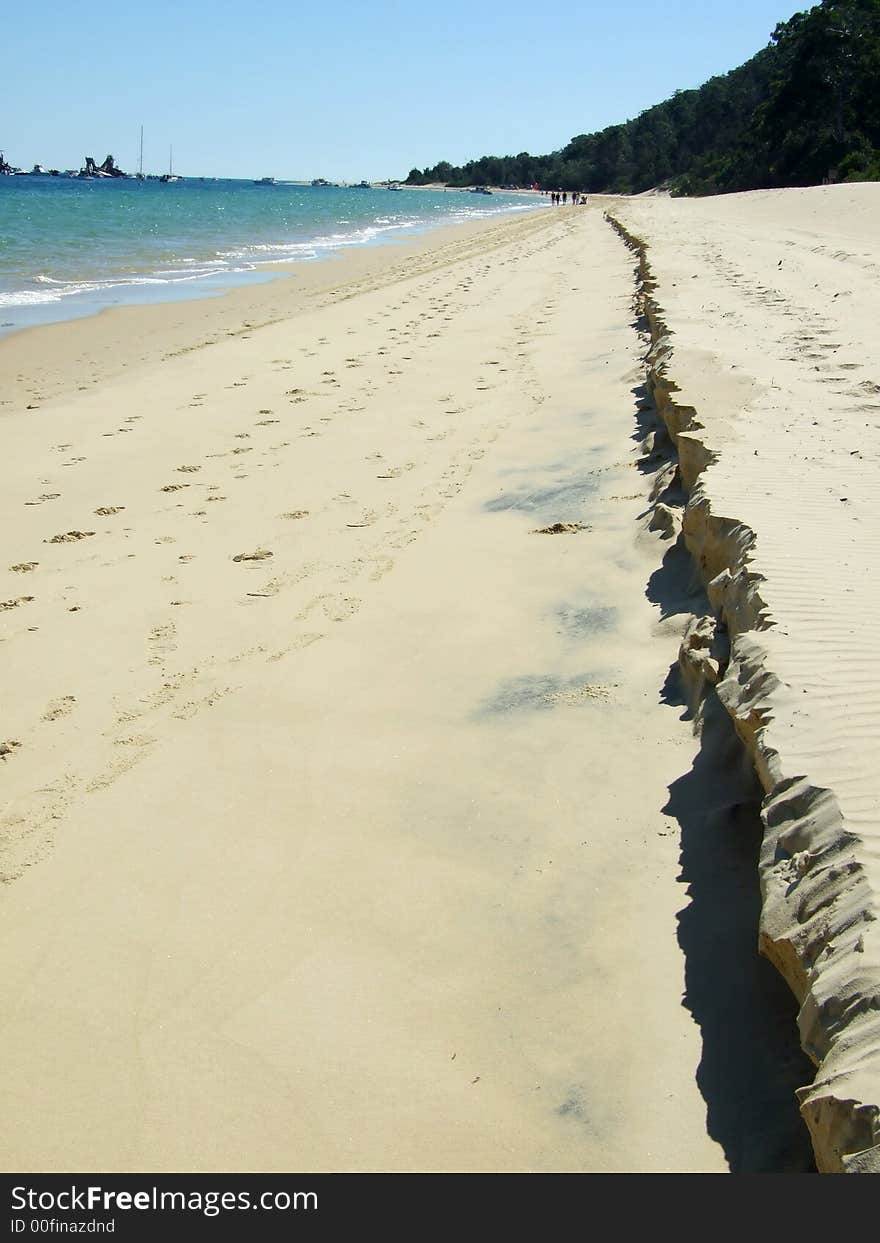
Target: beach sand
[[763, 308], [354, 818]]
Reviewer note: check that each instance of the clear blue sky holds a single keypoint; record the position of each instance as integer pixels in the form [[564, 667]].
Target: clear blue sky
[[347, 90]]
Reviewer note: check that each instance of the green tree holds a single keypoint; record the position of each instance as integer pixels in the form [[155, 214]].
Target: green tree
[[804, 109]]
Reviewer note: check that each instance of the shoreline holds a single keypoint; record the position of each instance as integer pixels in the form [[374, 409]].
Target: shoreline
[[185, 284], [141, 335]]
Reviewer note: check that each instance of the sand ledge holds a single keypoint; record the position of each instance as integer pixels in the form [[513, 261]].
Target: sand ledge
[[817, 899]]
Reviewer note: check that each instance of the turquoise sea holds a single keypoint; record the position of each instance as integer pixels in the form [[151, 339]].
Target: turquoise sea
[[71, 247]]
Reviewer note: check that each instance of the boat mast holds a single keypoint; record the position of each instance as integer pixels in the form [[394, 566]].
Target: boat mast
[[141, 164]]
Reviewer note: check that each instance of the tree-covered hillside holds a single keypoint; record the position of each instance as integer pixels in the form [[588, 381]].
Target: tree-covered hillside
[[804, 110]]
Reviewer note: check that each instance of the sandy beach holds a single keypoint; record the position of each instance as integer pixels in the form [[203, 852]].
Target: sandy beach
[[368, 800], [763, 366]]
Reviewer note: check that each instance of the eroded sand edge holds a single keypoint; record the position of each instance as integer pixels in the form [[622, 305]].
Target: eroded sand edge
[[819, 896]]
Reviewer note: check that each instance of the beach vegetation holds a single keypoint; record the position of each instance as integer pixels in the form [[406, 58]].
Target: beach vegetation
[[805, 110]]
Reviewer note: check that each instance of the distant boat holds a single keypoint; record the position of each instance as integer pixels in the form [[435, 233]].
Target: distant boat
[[362, 185], [481, 190], [265, 181], [170, 175], [392, 185], [140, 171]]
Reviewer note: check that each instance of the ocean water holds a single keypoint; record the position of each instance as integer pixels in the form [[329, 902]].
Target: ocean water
[[72, 247]]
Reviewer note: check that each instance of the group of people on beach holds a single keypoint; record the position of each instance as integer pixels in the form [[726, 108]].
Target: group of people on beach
[[561, 196]]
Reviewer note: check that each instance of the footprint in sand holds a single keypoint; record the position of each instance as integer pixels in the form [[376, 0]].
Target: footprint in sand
[[403, 538], [295, 513], [266, 592], [160, 642], [57, 708], [261, 554], [174, 487], [68, 537], [24, 567], [47, 496], [189, 470], [133, 750], [155, 699], [366, 521], [381, 567], [104, 511], [301, 641], [188, 710], [5, 605], [335, 608]]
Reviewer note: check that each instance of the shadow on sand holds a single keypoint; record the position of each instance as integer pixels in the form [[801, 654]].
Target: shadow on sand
[[751, 1054], [751, 1057], [752, 1061]]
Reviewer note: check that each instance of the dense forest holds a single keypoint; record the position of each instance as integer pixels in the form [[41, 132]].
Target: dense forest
[[803, 111]]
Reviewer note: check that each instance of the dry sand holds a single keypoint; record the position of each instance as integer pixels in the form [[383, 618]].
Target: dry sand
[[767, 343], [344, 804]]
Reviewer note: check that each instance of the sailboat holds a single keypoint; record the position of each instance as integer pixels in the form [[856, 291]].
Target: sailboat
[[140, 171], [170, 175]]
